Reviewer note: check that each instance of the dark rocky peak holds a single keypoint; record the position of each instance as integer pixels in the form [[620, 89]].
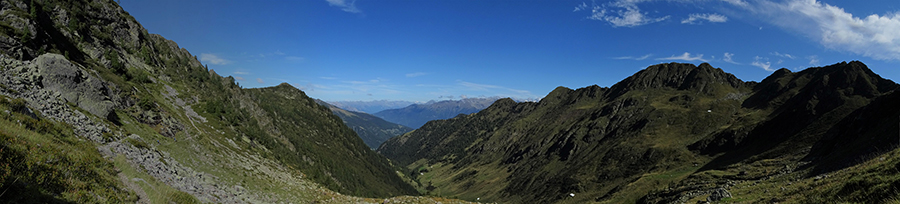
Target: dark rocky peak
[[556, 97], [770, 88], [590, 92], [775, 77], [284, 85], [855, 76], [503, 102], [681, 76], [831, 84], [508, 105]]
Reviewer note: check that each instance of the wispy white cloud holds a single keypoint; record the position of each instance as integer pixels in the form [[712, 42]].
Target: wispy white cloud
[[634, 58], [309, 87], [620, 13], [348, 6], [686, 57], [294, 58], [213, 59], [416, 74], [875, 36], [698, 18], [373, 86], [240, 73], [727, 58], [784, 55], [488, 87], [239, 78], [758, 62], [277, 52], [813, 60], [259, 80], [581, 7], [480, 87], [328, 78], [739, 3]]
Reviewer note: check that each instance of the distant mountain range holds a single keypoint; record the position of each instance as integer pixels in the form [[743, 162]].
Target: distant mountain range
[[672, 133], [371, 129], [416, 115], [370, 107]]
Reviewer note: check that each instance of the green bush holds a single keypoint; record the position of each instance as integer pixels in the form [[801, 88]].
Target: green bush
[[138, 143], [115, 64], [18, 105], [146, 104], [137, 75], [181, 197]]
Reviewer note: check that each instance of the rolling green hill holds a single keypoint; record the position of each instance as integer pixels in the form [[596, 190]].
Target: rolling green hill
[[669, 133], [372, 129]]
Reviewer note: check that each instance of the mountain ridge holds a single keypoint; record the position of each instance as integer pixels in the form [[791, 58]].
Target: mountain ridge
[[604, 142]]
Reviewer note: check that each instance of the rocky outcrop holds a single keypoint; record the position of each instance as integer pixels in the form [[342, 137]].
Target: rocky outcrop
[[22, 79], [718, 194], [50, 81], [74, 84]]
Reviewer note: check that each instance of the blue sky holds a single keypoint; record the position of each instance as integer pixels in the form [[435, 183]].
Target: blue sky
[[420, 50]]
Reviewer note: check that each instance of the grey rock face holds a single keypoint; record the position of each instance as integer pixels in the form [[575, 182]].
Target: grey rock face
[[718, 194], [74, 84]]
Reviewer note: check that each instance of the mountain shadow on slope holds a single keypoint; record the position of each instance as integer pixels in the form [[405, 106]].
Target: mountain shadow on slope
[[372, 129], [665, 124], [805, 106]]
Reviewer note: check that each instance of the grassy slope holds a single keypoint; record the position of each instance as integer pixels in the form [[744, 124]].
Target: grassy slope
[[355, 167], [42, 161]]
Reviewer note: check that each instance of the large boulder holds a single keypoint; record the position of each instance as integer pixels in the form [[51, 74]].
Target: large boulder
[[74, 84], [718, 194]]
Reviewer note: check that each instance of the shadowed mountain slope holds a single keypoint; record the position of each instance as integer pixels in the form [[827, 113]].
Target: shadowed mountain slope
[[372, 129], [654, 137]]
